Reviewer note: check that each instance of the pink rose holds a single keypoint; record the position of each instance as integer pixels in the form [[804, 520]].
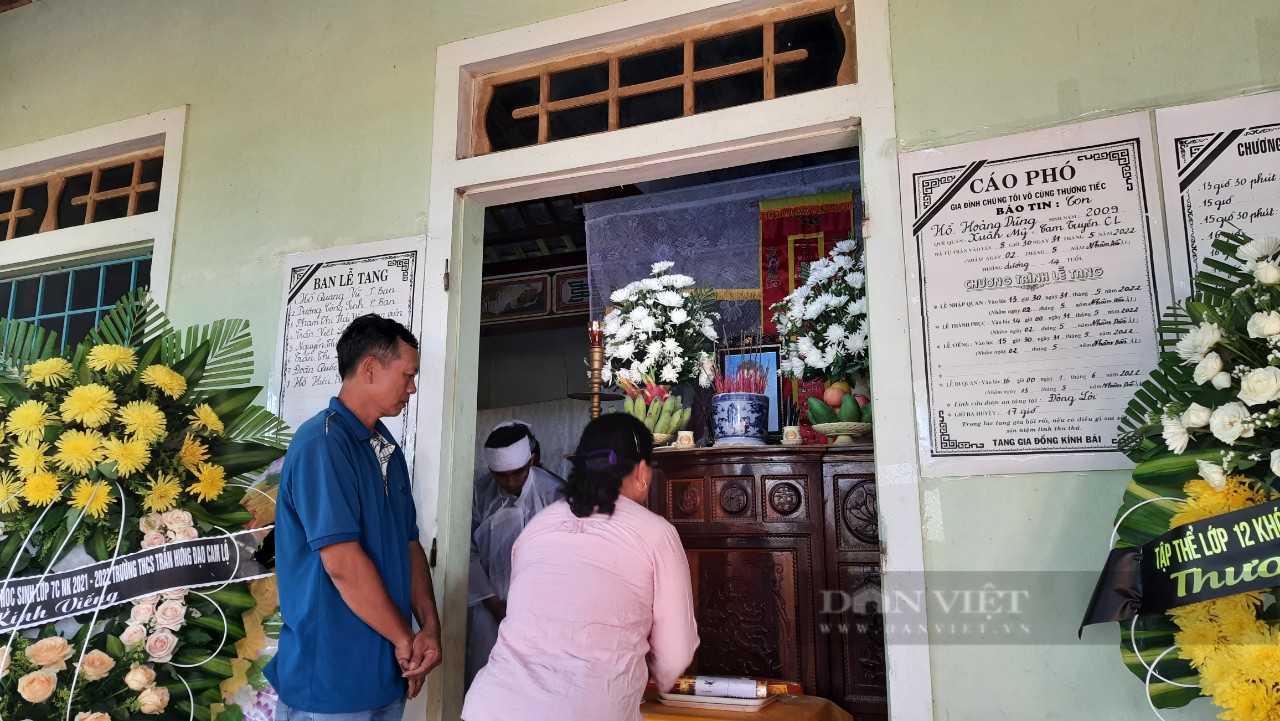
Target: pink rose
[[96, 665], [134, 633], [51, 652], [160, 646], [141, 613], [153, 700], [4, 661], [139, 677], [38, 686], [92, 716], [176, 519], [153, 539], [183, 534], [171, 614], [176, 594], [151, 523]]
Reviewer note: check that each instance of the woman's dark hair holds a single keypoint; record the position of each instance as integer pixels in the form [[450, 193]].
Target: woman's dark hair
[[608, 451], [373, 335]]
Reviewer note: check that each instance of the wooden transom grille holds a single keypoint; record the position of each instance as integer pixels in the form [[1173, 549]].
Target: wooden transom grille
[[765, 55], [117, 187]]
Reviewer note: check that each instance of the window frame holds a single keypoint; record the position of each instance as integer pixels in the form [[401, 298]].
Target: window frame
[[108, 239]]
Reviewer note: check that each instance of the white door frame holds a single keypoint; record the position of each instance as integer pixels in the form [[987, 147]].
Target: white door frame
[[860, 114]]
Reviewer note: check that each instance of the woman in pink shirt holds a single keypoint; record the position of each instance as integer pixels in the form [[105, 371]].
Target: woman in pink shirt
[[600, 595]]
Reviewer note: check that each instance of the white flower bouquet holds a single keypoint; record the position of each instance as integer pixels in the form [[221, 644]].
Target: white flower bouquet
[[1204, 430], [824, 321], [660, 327]]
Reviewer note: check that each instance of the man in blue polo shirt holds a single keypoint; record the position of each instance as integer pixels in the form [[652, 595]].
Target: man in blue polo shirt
[[350, 568]]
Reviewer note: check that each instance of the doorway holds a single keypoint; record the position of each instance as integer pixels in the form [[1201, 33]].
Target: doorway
[[858, 115]]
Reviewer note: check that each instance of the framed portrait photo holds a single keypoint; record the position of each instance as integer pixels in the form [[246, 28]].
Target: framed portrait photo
[[766, 356]]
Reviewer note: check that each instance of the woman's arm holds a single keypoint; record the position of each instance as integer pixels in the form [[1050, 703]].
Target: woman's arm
[[674, 636]]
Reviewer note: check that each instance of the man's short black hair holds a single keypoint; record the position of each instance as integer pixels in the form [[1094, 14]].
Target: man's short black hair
[[371, 335]]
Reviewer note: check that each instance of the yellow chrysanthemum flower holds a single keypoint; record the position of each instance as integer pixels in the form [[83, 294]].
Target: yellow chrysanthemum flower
[[193, 452], [130, 455], [142, 420], [162, 494], [90, 405], [165, 379], [211, 478], [10, 491], [108, 357], [203, 418], [78, 451], [94, 498], [29, 458], [51, 372], [28, 421], [41, 489]]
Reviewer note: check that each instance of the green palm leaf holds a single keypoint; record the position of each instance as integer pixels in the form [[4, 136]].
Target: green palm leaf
[[230, 361], [258, 425], [134, 320], [23, 342]]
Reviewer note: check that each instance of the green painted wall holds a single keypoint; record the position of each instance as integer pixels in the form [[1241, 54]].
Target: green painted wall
[[972, 70], [309, 123]]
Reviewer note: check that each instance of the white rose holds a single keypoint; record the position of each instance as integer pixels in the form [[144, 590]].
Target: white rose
[[1228, 423], [1207, 368], [96, 665], [141, 613], [153, 700], [152, 539], [51, 652], [1175, 435], [160, 646], [181, 593], [1275, 462], [1262, 325], [1198, 341], [171, 615], [134, 633], [1213, 474], [1222, 381], [1267, 273], [1260, 385], [176, 519], [139, 677], [4, 661], [38, 686], [1196, 416]]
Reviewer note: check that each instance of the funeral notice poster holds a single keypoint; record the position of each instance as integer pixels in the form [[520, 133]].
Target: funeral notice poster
[[324, 291], [1040, 271], [1220, 167]]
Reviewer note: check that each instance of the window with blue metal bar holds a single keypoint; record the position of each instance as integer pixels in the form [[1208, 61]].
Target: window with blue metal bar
[[70, 301]]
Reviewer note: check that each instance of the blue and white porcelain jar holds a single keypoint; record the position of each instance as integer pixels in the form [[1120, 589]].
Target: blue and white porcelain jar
[[740, 419]]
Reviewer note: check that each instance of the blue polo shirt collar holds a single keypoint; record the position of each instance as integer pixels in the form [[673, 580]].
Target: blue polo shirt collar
[[357, 427]]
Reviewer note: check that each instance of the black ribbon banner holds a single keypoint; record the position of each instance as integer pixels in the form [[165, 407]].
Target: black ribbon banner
[[1220, 556], [36, 600]]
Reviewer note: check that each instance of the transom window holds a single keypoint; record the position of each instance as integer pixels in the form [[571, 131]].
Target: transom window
[[771, 54], [70, 301], [117, 187]]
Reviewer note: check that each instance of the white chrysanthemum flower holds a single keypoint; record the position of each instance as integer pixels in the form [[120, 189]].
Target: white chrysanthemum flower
[[679, 281], [672, 348], [654, 349], [844, 262], [1257, 249], [621, 295], [678, 316], [834, 333], [855, 280], [626, 350], [647, 324], [1199, 341], [856, 344], [708, 330], [650, 284], [606, 375], [670, 298], [1175, 435], [857, 307], [669, 374], [846, 246], [662, 266]]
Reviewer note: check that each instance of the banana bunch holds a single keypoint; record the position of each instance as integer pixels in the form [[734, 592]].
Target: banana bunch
[[657, 409]]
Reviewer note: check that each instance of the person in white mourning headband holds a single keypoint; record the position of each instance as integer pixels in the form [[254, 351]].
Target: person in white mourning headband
[[505, 498]]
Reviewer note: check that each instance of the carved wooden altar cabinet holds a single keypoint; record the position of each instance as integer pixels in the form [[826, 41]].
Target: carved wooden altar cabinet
[[768, 529]]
